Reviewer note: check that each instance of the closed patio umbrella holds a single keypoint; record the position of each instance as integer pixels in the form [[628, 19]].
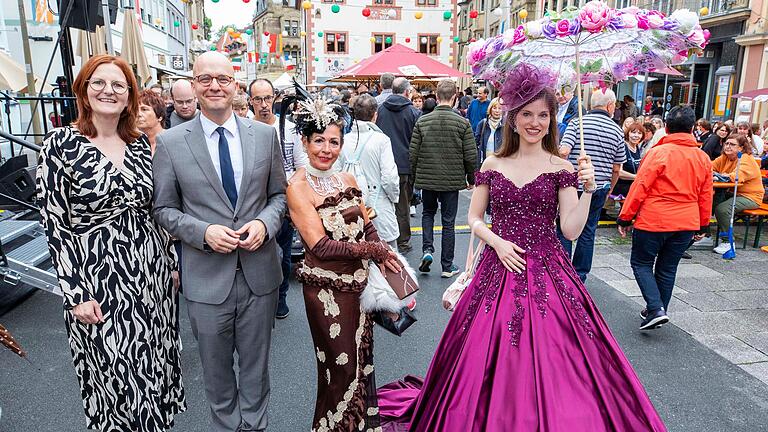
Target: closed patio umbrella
[[91, 44], [133, 48]]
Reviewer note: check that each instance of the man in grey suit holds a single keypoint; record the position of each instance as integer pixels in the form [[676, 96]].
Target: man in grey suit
[[220, 188]]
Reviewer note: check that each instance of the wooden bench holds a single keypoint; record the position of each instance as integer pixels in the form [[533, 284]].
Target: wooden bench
[[759, 213]]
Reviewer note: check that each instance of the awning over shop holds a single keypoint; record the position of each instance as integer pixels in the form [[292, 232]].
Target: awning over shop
[[398, 60]]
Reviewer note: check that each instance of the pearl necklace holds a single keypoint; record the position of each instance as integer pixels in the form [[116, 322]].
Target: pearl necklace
[[323, 182]]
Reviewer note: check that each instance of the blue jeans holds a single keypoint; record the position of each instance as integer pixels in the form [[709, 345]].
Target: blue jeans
[[666, 249], [449, 203], [284, 240], [585, 244]]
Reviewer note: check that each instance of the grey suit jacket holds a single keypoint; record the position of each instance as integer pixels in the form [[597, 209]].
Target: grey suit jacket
[[189, 197]]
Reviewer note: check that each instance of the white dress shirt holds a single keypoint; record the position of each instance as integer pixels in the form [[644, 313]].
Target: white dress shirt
[[235, 147]]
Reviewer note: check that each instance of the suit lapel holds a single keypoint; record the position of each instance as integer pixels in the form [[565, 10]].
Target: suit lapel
[[248, 144], [199, 148]]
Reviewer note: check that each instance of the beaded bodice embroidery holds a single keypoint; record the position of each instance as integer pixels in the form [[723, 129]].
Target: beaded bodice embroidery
[[525, 216]]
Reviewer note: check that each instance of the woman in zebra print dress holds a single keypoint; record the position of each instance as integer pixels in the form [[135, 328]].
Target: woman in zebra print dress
[[114, 264]]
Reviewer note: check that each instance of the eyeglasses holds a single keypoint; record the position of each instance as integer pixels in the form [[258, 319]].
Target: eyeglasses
[[206, 80], [260, 100], [730, 144], [118, 87]]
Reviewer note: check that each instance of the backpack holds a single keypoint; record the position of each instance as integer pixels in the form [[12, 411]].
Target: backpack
[[352, 166]]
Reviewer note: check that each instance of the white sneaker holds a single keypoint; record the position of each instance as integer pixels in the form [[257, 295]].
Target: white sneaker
[[722, 248], [705, 242], [413, 210]]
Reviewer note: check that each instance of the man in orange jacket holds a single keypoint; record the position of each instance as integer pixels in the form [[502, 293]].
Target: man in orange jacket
[[669, 201]]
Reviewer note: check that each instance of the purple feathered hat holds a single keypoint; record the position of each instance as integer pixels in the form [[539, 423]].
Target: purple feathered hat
[[523, 83]]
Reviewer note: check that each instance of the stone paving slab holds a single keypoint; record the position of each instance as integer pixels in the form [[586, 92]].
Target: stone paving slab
[[708, 301], [757, 370], [749, 299], [732, 349]]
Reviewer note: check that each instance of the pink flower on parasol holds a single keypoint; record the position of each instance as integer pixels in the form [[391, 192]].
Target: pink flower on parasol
[[655, 19], [594, 16]]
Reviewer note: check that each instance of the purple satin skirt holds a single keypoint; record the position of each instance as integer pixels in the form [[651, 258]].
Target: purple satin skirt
[[523, 353]]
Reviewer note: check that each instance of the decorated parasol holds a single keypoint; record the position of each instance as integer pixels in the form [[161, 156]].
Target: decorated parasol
[[595, 44]]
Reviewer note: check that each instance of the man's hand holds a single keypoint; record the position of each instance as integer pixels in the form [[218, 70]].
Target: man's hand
[[88, 312], [176, 281], [221, 239], [256, 231], [625, 230]]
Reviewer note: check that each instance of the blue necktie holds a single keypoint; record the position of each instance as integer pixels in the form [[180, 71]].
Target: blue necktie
[[227, 173]]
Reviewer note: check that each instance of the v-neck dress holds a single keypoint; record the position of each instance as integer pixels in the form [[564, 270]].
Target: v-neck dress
[[106, 247]]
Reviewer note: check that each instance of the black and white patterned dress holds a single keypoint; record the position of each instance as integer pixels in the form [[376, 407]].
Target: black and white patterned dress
[[106, 247]]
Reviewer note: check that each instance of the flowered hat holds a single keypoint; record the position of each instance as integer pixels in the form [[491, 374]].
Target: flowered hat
[[523, 83]]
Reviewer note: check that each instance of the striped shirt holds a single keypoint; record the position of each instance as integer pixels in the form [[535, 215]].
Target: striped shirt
[[294, 156], [603, 142]]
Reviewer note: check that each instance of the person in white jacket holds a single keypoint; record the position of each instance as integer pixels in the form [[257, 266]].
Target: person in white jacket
[[367, 154]]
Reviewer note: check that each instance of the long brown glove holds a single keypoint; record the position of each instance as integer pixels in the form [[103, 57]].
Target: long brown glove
[[371, 234], [327, 249]]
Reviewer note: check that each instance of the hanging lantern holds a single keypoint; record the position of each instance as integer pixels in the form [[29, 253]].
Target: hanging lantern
[[319, 34], [388, 40], [249, 32], [473, 14], [392, 14], [195, 26], [456, 39], [447, 15], [418, 15], [335, 8], [366, 12], [303, 33], [704, 11], [523, 14], [306, 5], [407, 40]]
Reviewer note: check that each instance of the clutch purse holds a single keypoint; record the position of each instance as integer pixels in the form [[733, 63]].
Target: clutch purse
[[401, 282]]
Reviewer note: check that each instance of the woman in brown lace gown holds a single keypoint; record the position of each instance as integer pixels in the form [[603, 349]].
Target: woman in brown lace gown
[[339, 241]]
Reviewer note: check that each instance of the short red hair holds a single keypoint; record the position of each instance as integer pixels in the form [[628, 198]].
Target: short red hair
[[126, 126]]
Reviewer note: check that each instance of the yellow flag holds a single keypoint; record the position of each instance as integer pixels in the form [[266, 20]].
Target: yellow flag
[[43, 14]]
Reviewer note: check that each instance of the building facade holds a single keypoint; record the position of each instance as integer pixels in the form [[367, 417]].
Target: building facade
[[336, 40], [277, 30]]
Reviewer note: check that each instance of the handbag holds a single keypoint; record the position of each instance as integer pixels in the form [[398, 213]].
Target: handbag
[[388, 293], [397, 328], [453, 293]]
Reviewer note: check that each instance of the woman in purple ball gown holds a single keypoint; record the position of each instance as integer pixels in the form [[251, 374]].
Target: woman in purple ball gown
[[526, 348]]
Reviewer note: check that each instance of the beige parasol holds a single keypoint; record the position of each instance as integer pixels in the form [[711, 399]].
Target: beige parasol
[[97, 41], [13, 76], [133, 48]]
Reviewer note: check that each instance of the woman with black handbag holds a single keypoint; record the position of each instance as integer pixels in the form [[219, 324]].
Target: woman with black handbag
[[327, 209]]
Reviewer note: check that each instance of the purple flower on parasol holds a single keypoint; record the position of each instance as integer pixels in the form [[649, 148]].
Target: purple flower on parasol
[[523, 83], [616, 23], [549, 30], [670, 25]]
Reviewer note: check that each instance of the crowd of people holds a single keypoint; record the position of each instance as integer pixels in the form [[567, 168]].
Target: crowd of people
[[202, 188]]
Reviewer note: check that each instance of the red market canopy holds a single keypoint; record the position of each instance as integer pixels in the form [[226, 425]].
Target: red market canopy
[[398, 60]]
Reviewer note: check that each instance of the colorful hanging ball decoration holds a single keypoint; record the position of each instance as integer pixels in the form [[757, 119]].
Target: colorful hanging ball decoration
[[366, 12], [176, 24], [215, 1], [195, 26], [230, 30], [447, 15], [335, 8], [450, 59], [329, 60], [235, 35], [439, 39], [266, 33], [319, 34], [418, 15], [523, 14], [249, 32], [246, 1], [306, 5], [158, 21], [388, 40], [317, 58], [372, 39], [456, 39], [213, 48], [303, 33], [392, 14], [285, 33], [407, 40], [473, 14], [704, 11], [473, 40]]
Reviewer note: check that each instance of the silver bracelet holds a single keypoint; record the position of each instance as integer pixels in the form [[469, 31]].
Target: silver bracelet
[[590, 190]]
